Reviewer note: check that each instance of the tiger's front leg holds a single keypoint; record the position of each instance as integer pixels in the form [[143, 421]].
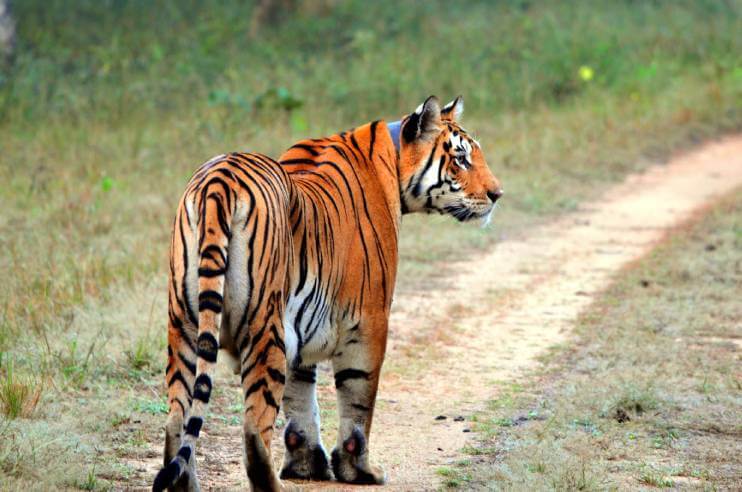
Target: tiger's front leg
[[357, 364]]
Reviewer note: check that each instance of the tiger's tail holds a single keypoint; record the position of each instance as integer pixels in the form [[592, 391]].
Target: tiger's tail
[[213, 226]]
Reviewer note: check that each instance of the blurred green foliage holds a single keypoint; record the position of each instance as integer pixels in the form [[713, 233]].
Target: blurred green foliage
[[108, 59]]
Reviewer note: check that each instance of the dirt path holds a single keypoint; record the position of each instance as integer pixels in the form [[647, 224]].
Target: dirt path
[[501, 312]]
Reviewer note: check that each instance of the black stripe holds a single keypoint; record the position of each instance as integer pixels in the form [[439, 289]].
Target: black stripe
[[209, 273], [178, 376], [194, 426], [276, 375], [182, 408], [202, 390], [345, 374], [410, 127], [210, 300], [220, 214], [207, 347], [300, 161], [178, 325], [279, 341], [373, 140], [418, 186], [255, 387], [212, 248], [269, 399], [188, 364], [305, 375], [185, 453], [247, 370], [166, 476], [186, 299], [306, 147], [209, 306]]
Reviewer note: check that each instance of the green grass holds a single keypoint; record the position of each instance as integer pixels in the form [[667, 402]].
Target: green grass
[[19, 394], [664, 354], [111, 105]]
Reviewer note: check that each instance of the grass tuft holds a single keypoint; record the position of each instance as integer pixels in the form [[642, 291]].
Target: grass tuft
[[453, 477], [143, 354], [655, 478], [19, 395], [575, 476], [630, 400], [154, 406]]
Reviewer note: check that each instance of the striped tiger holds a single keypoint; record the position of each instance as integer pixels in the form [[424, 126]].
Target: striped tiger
[[284, 264]]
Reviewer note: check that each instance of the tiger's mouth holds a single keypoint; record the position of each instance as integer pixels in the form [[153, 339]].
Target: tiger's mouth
[[463, 213]]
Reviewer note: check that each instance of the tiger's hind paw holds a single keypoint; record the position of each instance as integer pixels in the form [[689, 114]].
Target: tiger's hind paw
[[350, 462], [303, 462]]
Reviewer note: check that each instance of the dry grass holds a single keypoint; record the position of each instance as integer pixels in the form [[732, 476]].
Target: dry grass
[[649, 394]]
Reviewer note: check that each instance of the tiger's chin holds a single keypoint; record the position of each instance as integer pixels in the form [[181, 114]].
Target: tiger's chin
[[465, 214]]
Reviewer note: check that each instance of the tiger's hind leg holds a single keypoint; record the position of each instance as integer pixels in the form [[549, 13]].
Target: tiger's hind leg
[[180, 377], [357, 365], [263, 360], [305, 457]]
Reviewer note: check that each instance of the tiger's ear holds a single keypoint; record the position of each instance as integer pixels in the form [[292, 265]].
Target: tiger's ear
[[424, 123], [453, 110]]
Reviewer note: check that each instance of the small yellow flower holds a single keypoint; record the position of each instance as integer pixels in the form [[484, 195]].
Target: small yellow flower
[[586, 73]]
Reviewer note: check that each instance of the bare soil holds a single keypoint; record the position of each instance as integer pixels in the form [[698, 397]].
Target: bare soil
[[449, 348]]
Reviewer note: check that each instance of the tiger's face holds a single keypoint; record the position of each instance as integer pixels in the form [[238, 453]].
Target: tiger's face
[[442, 167]]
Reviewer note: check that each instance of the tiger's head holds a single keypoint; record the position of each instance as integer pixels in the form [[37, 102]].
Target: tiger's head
[[441, 167]]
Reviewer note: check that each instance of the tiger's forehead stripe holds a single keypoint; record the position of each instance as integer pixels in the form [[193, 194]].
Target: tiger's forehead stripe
[[459, 143]]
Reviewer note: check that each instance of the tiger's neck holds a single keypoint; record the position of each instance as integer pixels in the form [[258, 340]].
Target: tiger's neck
[[364, 161]]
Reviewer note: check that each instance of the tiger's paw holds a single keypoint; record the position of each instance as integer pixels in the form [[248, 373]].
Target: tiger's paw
[[350, 463], [301, 461]]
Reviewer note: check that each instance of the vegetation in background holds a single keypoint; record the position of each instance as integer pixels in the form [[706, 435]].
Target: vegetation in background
[[650, 393], [111, 104]]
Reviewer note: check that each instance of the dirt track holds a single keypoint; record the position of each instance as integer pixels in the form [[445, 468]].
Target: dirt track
[[501, 312]]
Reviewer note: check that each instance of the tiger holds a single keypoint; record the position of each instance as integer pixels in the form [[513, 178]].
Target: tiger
[[280, 265]]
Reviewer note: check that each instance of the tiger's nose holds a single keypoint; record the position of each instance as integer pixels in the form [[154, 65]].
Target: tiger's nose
[[495, 194]]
